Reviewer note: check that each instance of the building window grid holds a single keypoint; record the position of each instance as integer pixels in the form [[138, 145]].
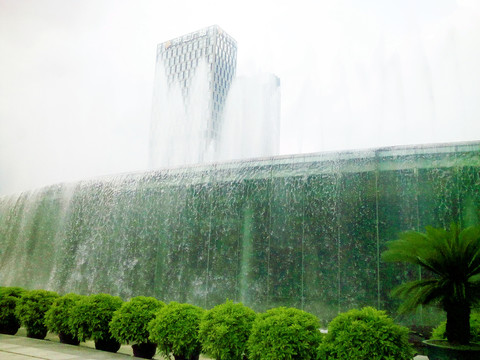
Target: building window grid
[[222, 67]]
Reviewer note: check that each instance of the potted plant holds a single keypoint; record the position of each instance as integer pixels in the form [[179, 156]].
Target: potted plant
[[365, 334], [31, 309], [284, 333], [175, 330], [439, 332], [225, 329], [453, 257], [58, 316], [9, 321], [91, 317], [129, 324]]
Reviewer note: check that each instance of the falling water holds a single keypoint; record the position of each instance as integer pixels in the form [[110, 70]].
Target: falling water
[[303, 230]]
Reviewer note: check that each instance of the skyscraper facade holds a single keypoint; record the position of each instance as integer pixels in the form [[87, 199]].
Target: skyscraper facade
[[193, 122], [180, 58]]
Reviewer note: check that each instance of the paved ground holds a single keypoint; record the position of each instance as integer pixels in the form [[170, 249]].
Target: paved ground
[[19, 347], [22, 348]]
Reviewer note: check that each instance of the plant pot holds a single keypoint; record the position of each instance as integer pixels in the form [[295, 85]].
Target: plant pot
[[110, 345], [144, 350], [37, 333], [443, 350], [10, 327], [68, 339], [181, 357]]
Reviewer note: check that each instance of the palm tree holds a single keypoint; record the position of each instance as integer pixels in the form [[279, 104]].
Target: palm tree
[[453, 256]]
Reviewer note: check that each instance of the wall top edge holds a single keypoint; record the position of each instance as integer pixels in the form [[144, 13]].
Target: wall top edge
[[336, 156], [385, 158]]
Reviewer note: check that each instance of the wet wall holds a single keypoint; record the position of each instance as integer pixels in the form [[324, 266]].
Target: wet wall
[[303, 230]]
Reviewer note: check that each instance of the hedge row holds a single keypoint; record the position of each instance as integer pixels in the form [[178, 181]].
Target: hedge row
[[229, 331]]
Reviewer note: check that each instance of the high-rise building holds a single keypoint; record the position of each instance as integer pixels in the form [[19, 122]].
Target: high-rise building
[[180, 59], [192, 121]]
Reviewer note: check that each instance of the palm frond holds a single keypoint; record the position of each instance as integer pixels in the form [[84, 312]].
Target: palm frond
[[452, 255], [415, 293], [406, 249]]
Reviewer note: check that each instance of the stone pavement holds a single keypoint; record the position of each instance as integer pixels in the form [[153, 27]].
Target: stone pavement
[[23, 348]]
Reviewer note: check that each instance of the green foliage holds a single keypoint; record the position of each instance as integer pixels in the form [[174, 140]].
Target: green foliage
[[224, 330], [9, 322], [175, 330], [366, 334], [11, 291], [284, 333], [130, 322], [453, 256], [92, 314], [439, 332], [57, 317], [31, 309]]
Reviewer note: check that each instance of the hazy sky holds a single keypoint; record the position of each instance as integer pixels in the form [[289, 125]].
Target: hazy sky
[[76, 76]]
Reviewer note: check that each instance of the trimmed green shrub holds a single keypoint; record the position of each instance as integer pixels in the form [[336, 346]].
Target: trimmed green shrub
[[284, 333], [58, 316], [129, 323], [224, 330], [366, 334], [31, 309], [91, 317], [175, 330], [9, 321], [439, 332]]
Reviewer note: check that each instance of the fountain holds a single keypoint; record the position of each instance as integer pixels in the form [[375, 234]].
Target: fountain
[[300, 230]]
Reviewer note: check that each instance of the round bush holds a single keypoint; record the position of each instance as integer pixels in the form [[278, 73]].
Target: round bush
[[175, 330], [224, 330], [439, 332], [9, 322], [31, 309], [130, 322], [366, 334], [91, 317], [284, 333], [58, 316]]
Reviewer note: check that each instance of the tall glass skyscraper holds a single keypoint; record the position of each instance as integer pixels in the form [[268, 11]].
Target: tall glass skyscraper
[[179, 59], [192, 120]]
